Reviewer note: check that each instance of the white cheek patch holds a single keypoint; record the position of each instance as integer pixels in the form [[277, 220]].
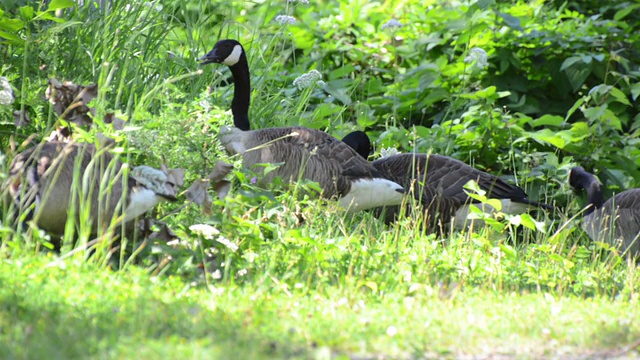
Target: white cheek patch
[[234, 57]]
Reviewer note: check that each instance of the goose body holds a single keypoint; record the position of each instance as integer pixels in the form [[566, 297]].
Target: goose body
[[616, 221], [437, 183], [44, 177], [302, 153]]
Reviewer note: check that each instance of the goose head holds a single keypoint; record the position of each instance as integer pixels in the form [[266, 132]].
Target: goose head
[[359, 141], [580, 179], [231, 53], [227, 52]]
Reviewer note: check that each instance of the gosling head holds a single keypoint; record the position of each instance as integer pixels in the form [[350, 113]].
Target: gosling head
[[154, 180]]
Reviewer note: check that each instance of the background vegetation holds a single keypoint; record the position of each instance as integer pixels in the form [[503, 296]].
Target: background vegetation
[[284, 278]]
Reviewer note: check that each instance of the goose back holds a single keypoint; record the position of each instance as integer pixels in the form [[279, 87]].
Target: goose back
[[617, 221], [45, 175], [437, 183]]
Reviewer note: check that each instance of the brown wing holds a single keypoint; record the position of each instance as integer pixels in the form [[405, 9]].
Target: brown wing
[[44, 174], [437, 183], [312, 155]]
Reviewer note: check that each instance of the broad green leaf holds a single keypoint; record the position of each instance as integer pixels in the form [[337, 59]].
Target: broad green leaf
[[12, 38], [485, 4], [27, 12], [577, 75], [13, 25], [511, 21], [635, 91], [548, 120], [619, 96], [60, 4], [569, 61], [339, 94], [594, 113], [621, 14], [575, 107], [509, 251], [550, 137]]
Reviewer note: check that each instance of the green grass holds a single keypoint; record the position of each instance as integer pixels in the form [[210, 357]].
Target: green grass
[[306, 280], [69, 309]]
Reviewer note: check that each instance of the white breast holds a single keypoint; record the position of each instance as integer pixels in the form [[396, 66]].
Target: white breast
[[141, 200], [371, 193]]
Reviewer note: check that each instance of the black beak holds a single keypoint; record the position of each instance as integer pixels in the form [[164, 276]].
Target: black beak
[[210, 57]]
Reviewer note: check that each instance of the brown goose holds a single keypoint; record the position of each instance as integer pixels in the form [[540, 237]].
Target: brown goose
[[43, 177], [437, 182], [616, 221], [304, 153]]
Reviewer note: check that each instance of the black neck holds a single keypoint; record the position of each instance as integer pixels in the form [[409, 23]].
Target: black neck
[[594, 194], [241, 93]]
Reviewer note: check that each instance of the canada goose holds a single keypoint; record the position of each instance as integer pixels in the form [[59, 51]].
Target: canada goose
[[304, 153], [621, 213], [44, 175], [437, 183]]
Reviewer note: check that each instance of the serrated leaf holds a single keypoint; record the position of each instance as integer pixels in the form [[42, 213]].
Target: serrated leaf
[[60, 4], [511, 21]]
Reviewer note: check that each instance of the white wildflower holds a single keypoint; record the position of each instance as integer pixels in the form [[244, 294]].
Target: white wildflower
[[242, 272], [6, 98], [386, 152], [305, 80], [204, 230], [392, 330], [285, 20], [217, 274], [321, 83], [479, 56], [300, 1], [6, 93], [393, 23], [4, 84], [228, 243]]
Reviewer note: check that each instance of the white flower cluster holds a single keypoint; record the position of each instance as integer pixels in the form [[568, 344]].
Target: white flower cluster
[[479, 56], [393, 23], [6, 93], [228, 243], [285, 20], [306, 80], [204, 230], [386, 152], [300, 1], [208, 232]]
